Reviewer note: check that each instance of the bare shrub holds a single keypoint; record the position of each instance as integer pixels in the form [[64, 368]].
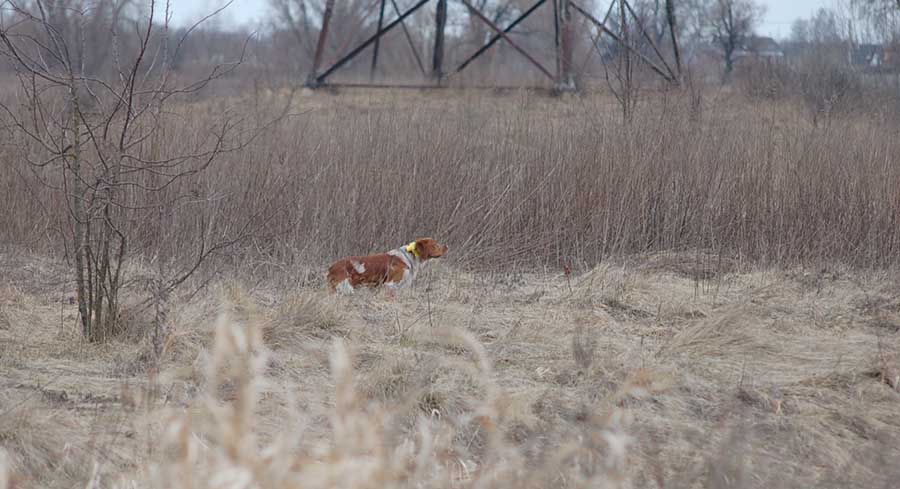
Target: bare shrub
[[764, 80], [93, 132], [819, 80], [828, 88]]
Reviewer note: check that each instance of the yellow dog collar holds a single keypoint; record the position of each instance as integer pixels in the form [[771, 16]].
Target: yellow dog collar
[[411, 248]]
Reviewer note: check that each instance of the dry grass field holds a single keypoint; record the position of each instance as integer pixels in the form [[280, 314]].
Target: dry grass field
[[732, 319], [652, 372]]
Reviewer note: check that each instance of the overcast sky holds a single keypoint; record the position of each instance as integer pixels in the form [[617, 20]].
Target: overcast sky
[[777, 22]]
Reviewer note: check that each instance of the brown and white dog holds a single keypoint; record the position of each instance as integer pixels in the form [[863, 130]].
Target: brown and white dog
[[395, 269]]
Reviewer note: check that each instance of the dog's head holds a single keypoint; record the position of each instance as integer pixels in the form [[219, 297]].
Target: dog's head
[[428, 248]]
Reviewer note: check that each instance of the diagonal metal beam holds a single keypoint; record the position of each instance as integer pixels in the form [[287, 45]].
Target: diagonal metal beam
[[596, 39], [613, 35], [507, 39], [409, 40], [607, 16], [375, 51], [320, 79], [649, 39], [670, 18], [496, 37]]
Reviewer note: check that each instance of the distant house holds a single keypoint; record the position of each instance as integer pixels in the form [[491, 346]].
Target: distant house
[[760, 49], [875, 58]]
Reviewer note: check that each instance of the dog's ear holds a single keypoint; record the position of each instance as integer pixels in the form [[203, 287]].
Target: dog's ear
[[422, 249]]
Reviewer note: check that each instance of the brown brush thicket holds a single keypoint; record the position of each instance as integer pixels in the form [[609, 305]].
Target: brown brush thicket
[[521, 179]]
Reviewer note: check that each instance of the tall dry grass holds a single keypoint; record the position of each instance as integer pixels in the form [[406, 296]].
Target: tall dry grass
[[221, 441], [517, 179]]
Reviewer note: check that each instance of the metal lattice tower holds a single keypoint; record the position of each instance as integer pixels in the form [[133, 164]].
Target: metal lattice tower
[[562, 78]]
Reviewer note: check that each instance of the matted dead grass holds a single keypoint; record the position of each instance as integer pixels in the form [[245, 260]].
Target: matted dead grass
[[648, 372]]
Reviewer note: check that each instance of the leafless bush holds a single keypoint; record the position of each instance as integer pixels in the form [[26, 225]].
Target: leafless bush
[[620, 73], [765, 80], [820, 81], [92, 127], [828, 88]]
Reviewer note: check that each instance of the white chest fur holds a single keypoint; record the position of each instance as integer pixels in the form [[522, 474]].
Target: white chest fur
[[412, 267]]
